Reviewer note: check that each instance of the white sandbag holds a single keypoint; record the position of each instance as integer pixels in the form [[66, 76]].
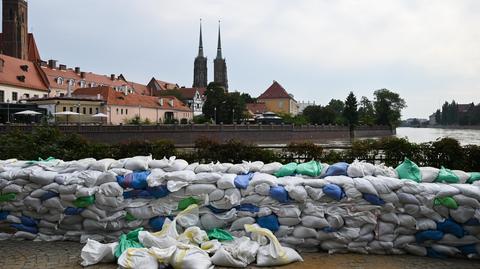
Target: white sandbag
[[231, 198], [297, 193], [137, 258], [211, 246], [111, 189], [94, 252], [360, 169], [42, 177], [101, 165], [190, 257], [227, 181], [175, 164], [207, 178], [271, 168], [259, 178], [446, 250], [137, 163], [198, 189], [364, 186], [193, 235], [185, 175], [106, 177], [239, 224], [429, 174], [273, 254], [239, 253], [211, 221], [162, 163], [462, 214], [156, 177], [314, 222], [382, 170], [238, 169], [204, 168], [462, 176], [216, 195]]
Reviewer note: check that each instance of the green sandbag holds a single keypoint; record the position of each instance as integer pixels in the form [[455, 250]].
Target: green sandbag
[[129, 217], [446, 175], [287, 170], [84, 201], [186, 202], [8, 197], [127, 241], [409, 170], [312, 168], [448, 202], [474, 176], [220, 235]]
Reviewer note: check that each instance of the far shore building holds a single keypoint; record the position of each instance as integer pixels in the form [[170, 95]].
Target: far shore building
[[278, 100], [121, 107], [194, 98], [302, 105], [255, 110]]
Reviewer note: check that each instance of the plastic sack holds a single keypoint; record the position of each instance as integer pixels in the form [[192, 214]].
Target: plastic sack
[[272, 254], [239, 253], [334, 191], [7, 197], [135, 180], [279, 193], [190, 257], [84, 201], [446, 175], [127, 241], [95, 252], [287, 170], [337, 169], [220, 235], [186, 202], [312, 168], [156, 223], [428, 235], [193, 235], [242, 181], [409, 170], [373, 199], [450, 226], [474, 176], [269, 222], [448, 202], [137, 258]]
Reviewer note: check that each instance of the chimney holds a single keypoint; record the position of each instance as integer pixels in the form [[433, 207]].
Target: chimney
[[98, 96], [2, 64], [62, 67], [43, 63], [77, 70], [52, 64], [82, 74], [112, 76]]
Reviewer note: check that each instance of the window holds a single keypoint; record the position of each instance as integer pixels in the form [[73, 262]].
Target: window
[[117, 111], [60, 81], [78, 110], [14, 96], [64, 108], [96, 110], [35, 96], [45, 95], [121, 111], [71, 82], [126, 111], [280, 104], [62, 94], [84, 110], [2, 96], [82, 84], [26, 95], [91, 111], [71, 109]]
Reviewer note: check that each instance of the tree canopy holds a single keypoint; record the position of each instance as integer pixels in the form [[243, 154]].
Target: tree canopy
[[388, 107]]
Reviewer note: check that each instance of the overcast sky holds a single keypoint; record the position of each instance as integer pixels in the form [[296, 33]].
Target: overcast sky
[[426, 50]]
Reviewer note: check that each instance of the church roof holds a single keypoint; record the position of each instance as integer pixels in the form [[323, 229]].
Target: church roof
[[275, 91], [189, 93], [21, 73]]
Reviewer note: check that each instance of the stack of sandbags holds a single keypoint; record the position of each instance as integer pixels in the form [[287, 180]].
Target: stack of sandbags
[[358, 207]]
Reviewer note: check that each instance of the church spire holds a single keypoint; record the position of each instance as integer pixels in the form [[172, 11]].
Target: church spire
[[219, 46], [200, 45]]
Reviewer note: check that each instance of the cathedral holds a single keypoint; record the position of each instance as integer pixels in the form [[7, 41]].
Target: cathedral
[[200, 70]]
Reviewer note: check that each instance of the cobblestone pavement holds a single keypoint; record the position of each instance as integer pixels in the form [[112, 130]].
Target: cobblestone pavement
[[24, 254]]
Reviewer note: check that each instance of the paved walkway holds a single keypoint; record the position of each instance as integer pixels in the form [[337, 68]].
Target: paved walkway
[[25, 254]]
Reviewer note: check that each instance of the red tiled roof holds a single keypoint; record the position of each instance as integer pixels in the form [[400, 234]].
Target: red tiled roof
[[166, 85], [256, 108], [189, 93], [275, 91], [13, 73], [113, 97]]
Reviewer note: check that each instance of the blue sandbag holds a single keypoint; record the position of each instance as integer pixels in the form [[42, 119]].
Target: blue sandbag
[[133, 194], [450, 226], [25, 228], [279, 193], [27, 221], [269, 222], [158, 191], [337, 169], [434, 254], [217, 210], [248, 207], [373, 199], [135, 180], [468, 249], [472, 222], [242, 181], [70, 211], [428, 235], [156, 223], [329, 229], [48, 195], [334, 191], [4, 215]]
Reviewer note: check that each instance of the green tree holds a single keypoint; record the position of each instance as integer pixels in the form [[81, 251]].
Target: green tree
[[296, 120], [350, 112], [388, 107], [221, 106], [319, 114], [337, 106], [438, 116], [366, 112]]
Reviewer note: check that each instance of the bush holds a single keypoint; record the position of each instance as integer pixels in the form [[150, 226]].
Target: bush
[[306, 151]]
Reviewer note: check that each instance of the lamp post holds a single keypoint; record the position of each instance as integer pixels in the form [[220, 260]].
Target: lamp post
[[215, 114], [233, 116], [8, 110]]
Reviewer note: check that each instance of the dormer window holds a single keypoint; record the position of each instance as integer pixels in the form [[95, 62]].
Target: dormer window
[[60, 81], [71, 82], [21, 78], [82, 83], [24, 67], [92, 84]]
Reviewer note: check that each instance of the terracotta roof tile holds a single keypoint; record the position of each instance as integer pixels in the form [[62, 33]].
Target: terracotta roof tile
[[256, 108], [189, 93], [13, 74], [113, 97], [275, 91]]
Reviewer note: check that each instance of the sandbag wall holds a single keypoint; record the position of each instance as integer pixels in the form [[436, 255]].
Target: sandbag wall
[[358, 207]]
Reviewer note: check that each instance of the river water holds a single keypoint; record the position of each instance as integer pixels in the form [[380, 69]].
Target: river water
[[420, 135]]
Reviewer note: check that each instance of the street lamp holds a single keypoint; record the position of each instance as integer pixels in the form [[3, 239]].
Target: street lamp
[[233, 116], [8, 110], [215, 114]]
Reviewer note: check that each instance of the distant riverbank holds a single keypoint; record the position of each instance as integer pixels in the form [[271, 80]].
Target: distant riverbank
[[462, 127], [466, 136]]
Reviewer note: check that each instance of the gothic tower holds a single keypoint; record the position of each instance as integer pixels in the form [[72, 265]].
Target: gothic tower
[[200, 78], [15, 28], [219, 65]]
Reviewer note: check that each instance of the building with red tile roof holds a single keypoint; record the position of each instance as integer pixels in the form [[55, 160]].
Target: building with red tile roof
[[194, 98], [256, 108], [122, 106], [278, 100]]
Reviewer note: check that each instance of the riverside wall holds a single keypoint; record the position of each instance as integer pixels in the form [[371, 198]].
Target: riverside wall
[[187, 134]]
